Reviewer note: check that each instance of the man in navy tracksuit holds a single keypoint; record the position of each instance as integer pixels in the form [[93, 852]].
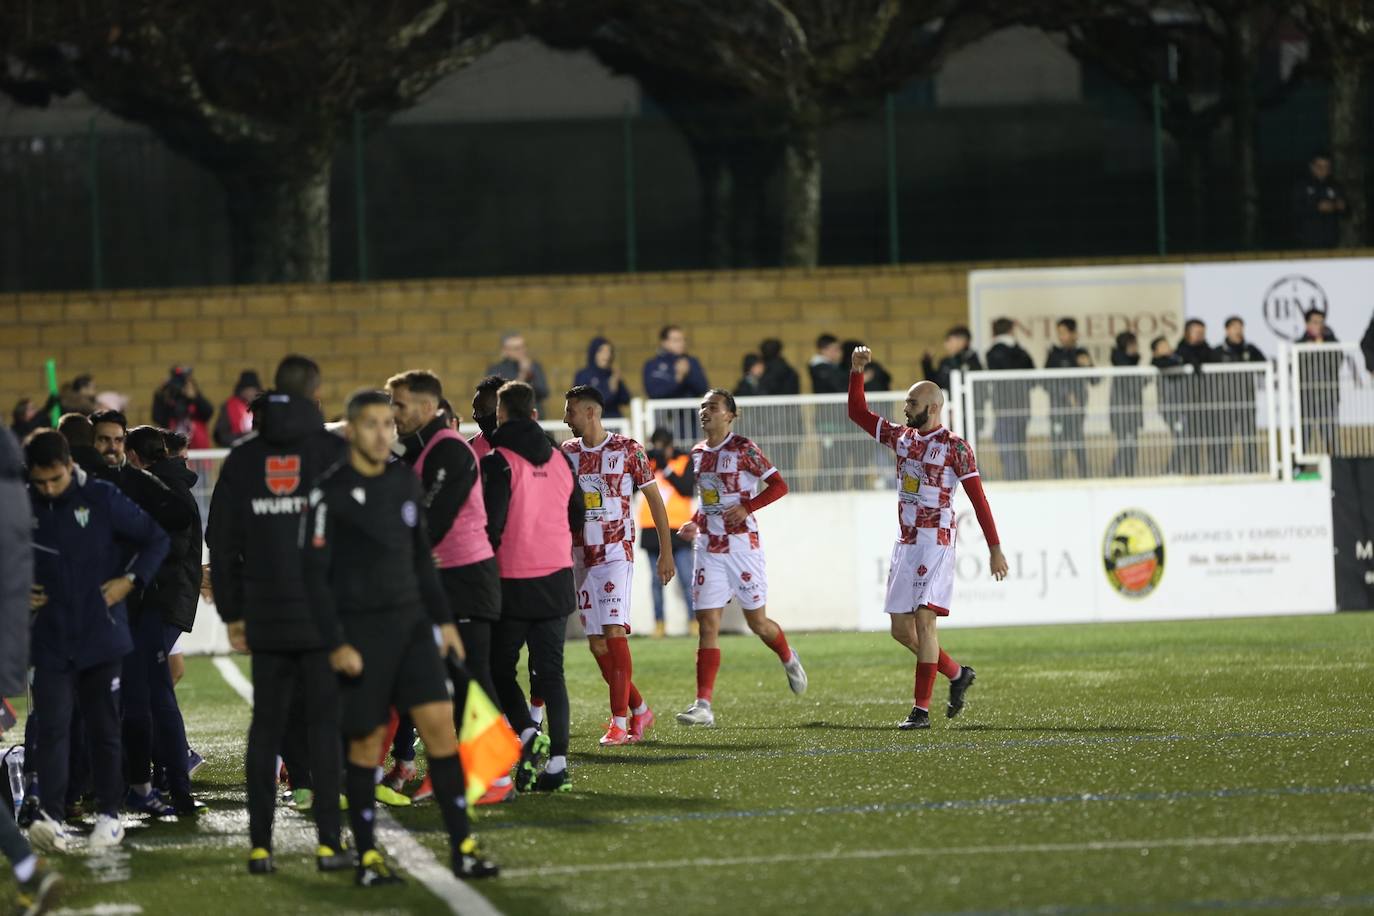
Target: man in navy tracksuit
[[81, 631]]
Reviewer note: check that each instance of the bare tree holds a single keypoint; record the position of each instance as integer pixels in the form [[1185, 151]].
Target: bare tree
[[259, 92], [1343, 32], [778, 71]]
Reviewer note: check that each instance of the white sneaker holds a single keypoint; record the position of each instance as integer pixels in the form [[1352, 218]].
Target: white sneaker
[[108, 832], [699, 713], [49, 836], [796, 674]]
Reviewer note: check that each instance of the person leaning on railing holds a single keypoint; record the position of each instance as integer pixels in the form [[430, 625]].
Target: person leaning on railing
[[1234, 348], [1320, 395]]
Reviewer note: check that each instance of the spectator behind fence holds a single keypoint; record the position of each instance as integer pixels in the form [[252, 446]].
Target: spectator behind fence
[[671, 373], [1318, 206], [78, 396], [1068, 398], [959, 356], [1367, 346], [1241, 391], [516, 365], [236, 416], [675, 478], [1010, 400], [179, 405], [828, 374], [778, 375], [876, 378], [1173, 400], [603, 374], [1206, 418], [81, 629], [1320, 397], [750, 382], [1126, 396]]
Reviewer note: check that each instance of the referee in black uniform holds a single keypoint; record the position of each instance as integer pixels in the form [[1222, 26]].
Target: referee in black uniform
[[255, 574], [378, 602]]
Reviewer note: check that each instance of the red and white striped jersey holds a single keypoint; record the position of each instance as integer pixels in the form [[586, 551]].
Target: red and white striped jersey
[[929, 467], [608, 476], [725, 475]]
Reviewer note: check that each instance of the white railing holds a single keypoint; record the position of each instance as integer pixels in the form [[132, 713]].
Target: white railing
[[1248, 420], [1094, 423], [1331, 398]]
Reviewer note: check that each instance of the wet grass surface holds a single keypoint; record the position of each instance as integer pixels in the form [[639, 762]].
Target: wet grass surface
[[1164, 767]]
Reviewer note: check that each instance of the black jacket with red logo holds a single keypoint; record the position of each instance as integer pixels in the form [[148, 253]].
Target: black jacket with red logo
[[255, 513]]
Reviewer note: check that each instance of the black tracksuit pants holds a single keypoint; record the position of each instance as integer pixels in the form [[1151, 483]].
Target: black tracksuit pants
[[56, 696], [278, 679]]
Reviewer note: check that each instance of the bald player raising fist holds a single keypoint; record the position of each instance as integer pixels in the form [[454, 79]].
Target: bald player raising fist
[[931, 461]]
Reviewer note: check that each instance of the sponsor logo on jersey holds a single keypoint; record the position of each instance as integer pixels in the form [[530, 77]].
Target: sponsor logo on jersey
[[278, 505], [609, 587], [83, 516], [282, 474], [746, 576], [1133, 554], [409, 513], [921, 570]]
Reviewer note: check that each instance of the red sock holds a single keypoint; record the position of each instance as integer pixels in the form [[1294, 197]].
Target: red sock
[[708, 663], [536, 701], [780, 646], [925, 684], [948, 666], [606, 663], [636, 700], [393, 725], [620, 675]]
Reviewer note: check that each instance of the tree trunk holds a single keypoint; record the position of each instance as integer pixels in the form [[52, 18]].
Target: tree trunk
[[279, 223], [801, 198], [1243, 127], [717, 198], [1348, 144]]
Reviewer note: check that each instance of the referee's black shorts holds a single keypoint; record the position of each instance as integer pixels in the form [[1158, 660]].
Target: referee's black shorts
[[401, 668]]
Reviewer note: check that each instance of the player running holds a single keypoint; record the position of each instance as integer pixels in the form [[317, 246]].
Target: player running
[[610, 467], [378, 602], [920, 581], [727, 554]]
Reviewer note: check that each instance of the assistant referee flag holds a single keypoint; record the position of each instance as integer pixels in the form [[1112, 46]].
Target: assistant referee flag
[[486, 743]]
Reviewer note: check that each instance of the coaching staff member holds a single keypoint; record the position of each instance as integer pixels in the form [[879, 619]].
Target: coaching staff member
[[533, 507], [255, 573], [377, 599], [83, 572]]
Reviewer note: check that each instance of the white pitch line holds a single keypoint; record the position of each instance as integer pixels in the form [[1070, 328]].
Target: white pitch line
[[460, 899], [103, 909], [859, 854]]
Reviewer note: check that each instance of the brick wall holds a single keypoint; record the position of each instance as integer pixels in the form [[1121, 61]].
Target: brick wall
[[361, 333]]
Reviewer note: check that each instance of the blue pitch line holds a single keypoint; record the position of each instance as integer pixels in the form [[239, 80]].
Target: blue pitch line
[[948, 805], [1257, 903]]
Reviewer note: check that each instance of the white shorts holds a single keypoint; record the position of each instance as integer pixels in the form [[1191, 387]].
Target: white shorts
[[718, 577], [920, 574], [603, 595]]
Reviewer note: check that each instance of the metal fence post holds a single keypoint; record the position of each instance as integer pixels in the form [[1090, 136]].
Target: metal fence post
[[1160, 233], [93, 186], [894, 245], [360, 195], [631, 242]]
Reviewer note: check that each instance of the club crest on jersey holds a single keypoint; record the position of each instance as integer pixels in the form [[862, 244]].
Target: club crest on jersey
[[409, 514], [727, 462], [83, 516], [283, 474]]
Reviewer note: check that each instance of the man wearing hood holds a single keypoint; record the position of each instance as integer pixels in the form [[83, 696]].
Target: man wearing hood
[[153, 726], [603, 374], [533, 507], [236, 416], [256, 571], [84, 532]]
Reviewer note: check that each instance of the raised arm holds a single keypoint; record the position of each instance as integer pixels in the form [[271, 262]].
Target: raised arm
[[858, 403]]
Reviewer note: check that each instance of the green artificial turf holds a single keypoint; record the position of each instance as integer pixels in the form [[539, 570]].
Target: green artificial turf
[[1163, 767]]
